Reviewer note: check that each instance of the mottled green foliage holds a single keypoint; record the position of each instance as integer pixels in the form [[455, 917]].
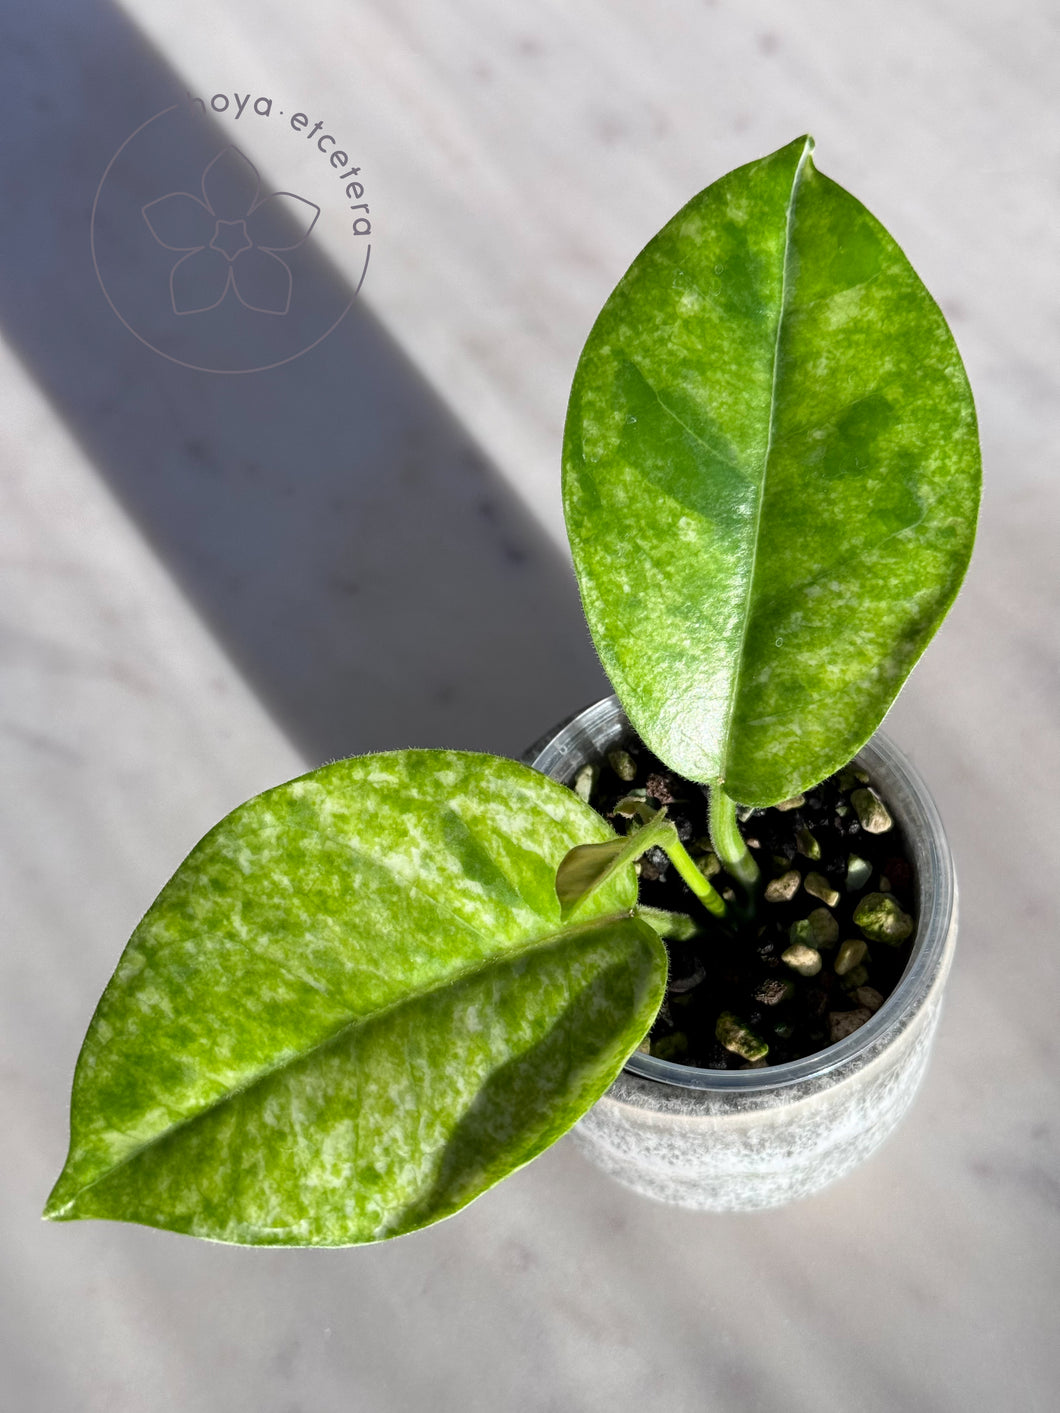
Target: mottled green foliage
[[771, 478], [358, 1004], [355, 1007]]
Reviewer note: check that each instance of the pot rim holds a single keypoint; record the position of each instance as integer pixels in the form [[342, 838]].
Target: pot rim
[[908, 797]]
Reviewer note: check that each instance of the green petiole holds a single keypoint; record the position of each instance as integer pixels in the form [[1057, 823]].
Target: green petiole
[[728, 841], [587, 866], [682, 861]]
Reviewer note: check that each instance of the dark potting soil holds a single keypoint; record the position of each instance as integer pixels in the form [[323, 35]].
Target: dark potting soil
[[739, 985]]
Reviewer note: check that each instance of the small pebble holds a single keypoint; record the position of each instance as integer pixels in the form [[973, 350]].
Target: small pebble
[[756, 1065], [584, 782], [868, 997], [872, 812], [658, 788], [825, 928], [739, 1038], [851, 954], [856, 978], [847, 780], [784, 1030], [808, 845], [792, 804], [844, 1023], [820, 929], [709, 865], [819, 887], [801, 932], [882, 920], [644, 1048], [670, 1047], [805, 960], [859, 871], [678, 985], [784, 888], [621, 762], [654, 864], [885, 884], [773, 991]]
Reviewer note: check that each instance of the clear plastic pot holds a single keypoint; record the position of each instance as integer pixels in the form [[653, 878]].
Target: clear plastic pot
[[738, 1140]]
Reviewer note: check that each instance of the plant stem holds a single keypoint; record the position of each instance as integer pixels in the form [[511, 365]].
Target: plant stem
[[728, 841], [682, 861]]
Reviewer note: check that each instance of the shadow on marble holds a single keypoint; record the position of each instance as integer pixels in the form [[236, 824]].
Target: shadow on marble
[[371, 574]]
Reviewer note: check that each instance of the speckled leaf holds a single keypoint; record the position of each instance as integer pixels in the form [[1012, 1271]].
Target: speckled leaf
[[771, 479], [354, 1008]]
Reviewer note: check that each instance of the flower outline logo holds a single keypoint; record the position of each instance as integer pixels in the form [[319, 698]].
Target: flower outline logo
[[230, 238]]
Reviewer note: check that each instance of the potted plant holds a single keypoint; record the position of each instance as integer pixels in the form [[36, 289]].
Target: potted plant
[[369, 994], [731, 1130]]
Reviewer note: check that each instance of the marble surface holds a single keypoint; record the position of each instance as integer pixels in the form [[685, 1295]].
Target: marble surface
[[208, 582]]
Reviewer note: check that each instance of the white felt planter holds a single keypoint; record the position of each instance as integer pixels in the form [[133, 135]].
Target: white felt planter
[[737, 1140]]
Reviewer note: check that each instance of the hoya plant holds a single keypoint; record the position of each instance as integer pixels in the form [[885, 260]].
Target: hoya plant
[[372, 992]]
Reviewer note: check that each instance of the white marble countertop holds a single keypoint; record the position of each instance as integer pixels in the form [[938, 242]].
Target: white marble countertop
[[208, 582]]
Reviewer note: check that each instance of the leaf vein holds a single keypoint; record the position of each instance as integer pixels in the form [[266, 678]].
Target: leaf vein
[[460, 978], [735, 685]]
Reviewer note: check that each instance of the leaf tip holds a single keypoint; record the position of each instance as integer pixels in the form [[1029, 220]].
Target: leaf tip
[[61, 1202], [805, 146], [798, 152]]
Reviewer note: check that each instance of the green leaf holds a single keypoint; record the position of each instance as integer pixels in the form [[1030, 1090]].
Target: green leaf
[[771, 478], [355, 1007], [677, 926], [588, 866]]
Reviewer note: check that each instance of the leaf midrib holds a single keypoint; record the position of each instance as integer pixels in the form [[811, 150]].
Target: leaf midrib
[[457, 979], [734, 690]]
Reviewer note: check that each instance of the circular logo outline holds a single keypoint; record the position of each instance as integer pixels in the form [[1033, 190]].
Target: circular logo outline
[[197, 367]]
